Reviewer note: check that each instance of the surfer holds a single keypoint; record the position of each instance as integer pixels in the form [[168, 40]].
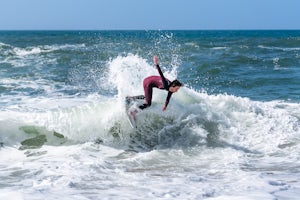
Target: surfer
[[159, 82]]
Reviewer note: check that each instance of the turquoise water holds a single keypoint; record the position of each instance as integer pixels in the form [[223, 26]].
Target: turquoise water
[[231, 132], [261, 65]]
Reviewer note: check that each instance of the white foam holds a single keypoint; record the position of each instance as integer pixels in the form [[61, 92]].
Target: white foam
[[32, 55], [11, 194], [239, 121], [219, 48], [280, 48], [127, 74], [26, 52]]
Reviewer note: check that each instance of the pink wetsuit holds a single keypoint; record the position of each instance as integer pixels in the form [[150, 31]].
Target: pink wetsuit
[[159, 82]]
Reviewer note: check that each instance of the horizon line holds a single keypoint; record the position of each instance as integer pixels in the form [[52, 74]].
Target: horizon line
[[150, 29]]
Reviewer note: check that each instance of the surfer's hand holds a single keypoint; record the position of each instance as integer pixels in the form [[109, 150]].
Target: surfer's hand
[[164, 108], [155, 60]]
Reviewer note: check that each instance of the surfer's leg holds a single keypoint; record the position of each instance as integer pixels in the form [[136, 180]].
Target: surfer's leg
[[148, 96]]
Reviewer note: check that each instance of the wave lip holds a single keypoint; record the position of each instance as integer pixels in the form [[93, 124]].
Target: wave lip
[[193, 118], [22, 56]]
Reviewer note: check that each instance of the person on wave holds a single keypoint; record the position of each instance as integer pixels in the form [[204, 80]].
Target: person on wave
[[159, 82]]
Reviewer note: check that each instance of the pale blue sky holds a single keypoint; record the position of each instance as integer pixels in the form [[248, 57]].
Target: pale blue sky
[[148, 14]]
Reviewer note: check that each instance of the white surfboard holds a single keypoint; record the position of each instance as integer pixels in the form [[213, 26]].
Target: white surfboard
[[131, 115], [131, 109]]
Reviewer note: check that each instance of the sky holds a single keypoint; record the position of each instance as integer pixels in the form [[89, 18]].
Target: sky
[[149, 14]]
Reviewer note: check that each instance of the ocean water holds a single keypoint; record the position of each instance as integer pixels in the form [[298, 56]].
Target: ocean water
[[232, 132]]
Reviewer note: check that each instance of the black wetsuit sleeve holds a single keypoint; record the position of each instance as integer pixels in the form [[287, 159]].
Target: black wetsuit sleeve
[[168, 98], [164, 81]]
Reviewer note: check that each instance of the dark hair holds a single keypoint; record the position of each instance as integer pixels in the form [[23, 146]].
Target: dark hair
[[175, 83]]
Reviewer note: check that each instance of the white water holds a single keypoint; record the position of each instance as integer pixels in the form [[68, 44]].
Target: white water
[[202, 147]]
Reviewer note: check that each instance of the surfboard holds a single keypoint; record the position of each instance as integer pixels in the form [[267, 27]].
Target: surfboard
[[131, 115], [131, 109]]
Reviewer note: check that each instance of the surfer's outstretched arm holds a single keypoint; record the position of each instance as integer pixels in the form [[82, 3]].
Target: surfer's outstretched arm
[[171, 87], [155, 60], [164, 81], [167, 101]]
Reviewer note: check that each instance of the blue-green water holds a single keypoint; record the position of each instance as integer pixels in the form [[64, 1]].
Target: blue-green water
[[261, 65], [232, 131]]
